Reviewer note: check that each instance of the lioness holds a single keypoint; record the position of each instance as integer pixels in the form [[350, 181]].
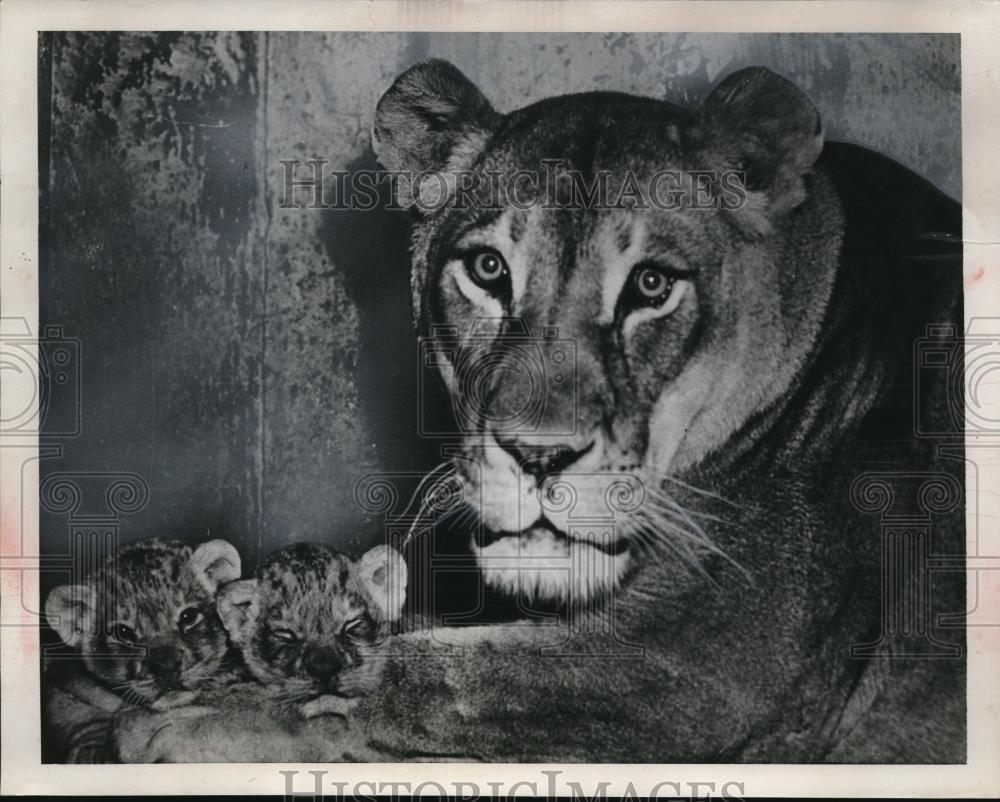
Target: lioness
[[741, 366]]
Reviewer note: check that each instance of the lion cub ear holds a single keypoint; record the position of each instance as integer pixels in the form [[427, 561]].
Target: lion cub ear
[[215, 564], [432, 119], [382, 571], [764, 125], [237, 608], [69, 610]]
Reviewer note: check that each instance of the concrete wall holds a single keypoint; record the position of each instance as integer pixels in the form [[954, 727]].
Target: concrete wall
[[248, 364]]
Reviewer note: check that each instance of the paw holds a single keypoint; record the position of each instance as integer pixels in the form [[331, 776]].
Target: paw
[[189, 711], [146, 735], [90, 753], [328, 706]]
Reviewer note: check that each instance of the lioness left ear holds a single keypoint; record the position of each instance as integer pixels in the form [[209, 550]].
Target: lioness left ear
[[431, 120], [382, 570], [214, 564], [764, 125]]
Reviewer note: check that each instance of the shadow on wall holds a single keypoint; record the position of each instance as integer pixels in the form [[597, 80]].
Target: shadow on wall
[[371, 249]]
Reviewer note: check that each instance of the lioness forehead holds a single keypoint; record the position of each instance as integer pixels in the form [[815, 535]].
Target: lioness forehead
[[566, 240], [600, 130]]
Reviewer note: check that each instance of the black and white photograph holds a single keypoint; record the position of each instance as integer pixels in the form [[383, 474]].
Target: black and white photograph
[[522, 397]]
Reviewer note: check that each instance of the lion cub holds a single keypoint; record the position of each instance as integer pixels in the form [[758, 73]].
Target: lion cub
[[306, 622], [144, 630]]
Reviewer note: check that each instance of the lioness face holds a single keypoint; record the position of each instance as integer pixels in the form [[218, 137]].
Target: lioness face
[[603, 347]]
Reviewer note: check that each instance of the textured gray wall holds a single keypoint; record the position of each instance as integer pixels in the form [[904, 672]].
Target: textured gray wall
[[251, 363]]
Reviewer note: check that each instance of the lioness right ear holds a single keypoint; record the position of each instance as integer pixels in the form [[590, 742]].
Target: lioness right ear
[[237, 608], [765, 126], [431, 119], [69, 611]]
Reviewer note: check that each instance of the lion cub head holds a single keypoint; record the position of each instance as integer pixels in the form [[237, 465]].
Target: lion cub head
[[304, 623], [616, 288], [145, 623]]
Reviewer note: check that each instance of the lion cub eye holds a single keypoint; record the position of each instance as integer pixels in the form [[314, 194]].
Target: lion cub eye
[[125, 634], [189, 619], [488, 269], [358, 629], [284, 635]]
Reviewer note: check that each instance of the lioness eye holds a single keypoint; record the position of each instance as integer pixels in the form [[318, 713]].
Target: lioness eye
[[652, 284], [488, 269], [655, 287], [125, 633], [189, 619], [284, 635]]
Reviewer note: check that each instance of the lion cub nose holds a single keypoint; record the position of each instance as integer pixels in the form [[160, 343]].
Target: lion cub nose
[[541, 460], [163, 662], [322, 662]]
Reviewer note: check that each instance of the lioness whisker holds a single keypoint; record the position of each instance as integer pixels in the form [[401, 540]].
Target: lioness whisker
[[431, 475], [650, 539], [458, 511], [659, 497], [427, 504], [698, 533], [637, 538], [698, 536], [670, 508], [461, 513], [717, 550], [700, 491], [674, 523], [656, 537]]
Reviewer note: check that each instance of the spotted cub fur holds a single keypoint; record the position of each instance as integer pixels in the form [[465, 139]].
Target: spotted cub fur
[[308, 621], [143, 630]]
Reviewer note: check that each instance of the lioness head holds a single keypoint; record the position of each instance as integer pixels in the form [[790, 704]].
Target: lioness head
[[641, 281]]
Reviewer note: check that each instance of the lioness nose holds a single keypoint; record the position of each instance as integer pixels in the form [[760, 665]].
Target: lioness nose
[[541, 460]]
